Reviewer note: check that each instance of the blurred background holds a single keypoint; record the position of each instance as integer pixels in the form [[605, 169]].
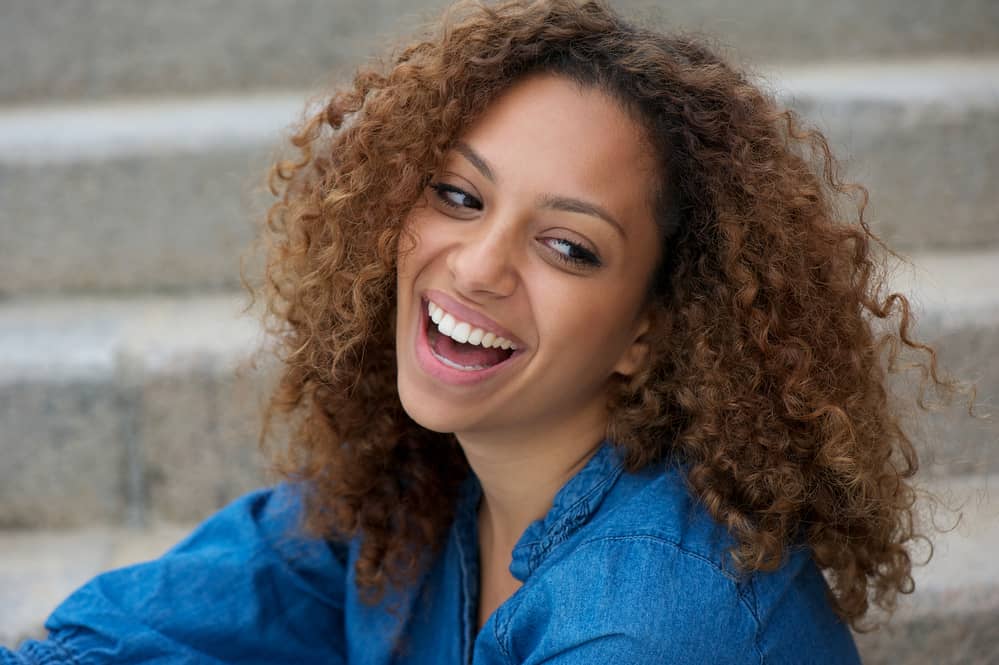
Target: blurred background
[[134, 139]]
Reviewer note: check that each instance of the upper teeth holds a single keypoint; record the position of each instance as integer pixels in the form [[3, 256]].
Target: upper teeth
[[465, 333]]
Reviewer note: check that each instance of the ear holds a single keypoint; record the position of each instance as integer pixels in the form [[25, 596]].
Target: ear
[[637, 353]]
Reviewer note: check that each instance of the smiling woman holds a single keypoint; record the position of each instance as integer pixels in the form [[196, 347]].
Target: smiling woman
[[581, 367], [513, 238]]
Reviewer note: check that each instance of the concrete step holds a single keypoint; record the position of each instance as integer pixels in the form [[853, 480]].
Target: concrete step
[[953, 615], [922, 137], [39, 568], [952, 618], [122, 411], [163, 195], [115, 47], [117, 410]]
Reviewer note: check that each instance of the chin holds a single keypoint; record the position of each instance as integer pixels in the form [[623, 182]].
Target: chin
[[425, 412]]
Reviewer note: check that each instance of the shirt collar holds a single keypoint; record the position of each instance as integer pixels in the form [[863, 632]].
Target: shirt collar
[[572, 507]]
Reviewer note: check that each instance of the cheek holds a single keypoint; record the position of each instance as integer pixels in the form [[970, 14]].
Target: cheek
[[580, 319], [412, 248], [589, 319]]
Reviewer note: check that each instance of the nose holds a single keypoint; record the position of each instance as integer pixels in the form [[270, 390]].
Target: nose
[[483, 260]]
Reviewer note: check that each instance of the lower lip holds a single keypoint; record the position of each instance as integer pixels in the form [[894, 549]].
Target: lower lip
[[435, 368]]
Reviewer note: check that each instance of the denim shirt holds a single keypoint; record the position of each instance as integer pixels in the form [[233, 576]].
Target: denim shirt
[[625, 568]]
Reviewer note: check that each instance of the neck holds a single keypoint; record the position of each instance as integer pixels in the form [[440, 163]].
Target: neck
[[521, 472]]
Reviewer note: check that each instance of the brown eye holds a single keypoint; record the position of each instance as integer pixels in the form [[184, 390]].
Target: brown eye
[[572, 253], [453, 197]]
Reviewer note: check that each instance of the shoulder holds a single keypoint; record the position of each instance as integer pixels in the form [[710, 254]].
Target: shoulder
[[636, 594], [649, 576], [207, 597]]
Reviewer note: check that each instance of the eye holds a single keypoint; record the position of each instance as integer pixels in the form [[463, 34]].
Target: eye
[[453, 197], [572, 253]]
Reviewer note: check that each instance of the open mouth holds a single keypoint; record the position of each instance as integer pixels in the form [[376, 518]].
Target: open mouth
[[462, 355], [462, 351]]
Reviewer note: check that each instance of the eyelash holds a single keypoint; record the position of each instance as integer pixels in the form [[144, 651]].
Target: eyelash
[[584, 259], [587, 259], [442, 191]]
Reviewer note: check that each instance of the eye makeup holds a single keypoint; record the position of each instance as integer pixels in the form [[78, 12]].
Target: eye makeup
[[567, 252]]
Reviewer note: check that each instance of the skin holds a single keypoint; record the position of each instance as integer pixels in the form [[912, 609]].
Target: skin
[[527, 430]]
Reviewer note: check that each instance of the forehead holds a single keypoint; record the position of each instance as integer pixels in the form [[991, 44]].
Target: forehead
[[549, 134]]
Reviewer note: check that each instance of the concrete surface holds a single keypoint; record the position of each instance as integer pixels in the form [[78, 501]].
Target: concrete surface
[[953, 616], [109, 404], [39, 568], [923, 137], [110, 48], [166, 194]]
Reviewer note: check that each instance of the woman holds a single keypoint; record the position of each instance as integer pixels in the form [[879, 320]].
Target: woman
[[579, 364]]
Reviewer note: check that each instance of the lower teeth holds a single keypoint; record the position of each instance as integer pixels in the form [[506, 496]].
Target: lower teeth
[[451, 363]]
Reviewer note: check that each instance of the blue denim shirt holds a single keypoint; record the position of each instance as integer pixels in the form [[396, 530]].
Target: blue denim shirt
[[625, 568]]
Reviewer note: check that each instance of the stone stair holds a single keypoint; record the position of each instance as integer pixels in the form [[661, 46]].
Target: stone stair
[[133, 144], [167, 191]]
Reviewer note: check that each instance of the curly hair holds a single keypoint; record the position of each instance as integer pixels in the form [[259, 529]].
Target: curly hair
[[768, 374]]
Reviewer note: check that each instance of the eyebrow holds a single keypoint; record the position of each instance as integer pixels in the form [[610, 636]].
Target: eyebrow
[[569, 204], [550, 201], [476, 160]]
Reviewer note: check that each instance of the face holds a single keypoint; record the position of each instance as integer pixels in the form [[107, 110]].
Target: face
[[536, 235]]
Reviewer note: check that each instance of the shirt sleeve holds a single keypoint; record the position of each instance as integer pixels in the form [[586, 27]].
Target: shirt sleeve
[[244, 587]]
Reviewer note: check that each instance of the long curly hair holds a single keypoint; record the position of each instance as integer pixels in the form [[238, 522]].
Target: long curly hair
[[773, 337]]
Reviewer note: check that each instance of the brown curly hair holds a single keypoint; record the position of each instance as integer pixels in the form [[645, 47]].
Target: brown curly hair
[[768, 376]]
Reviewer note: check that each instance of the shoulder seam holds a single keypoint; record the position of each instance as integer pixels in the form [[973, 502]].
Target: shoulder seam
[[693, 555]]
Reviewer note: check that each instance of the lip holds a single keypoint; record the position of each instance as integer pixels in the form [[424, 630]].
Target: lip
[[469, 315], [435, 368]]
